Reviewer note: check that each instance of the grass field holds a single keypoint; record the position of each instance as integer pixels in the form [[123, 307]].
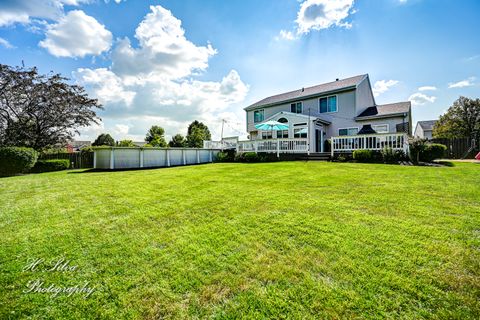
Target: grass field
[[276, 240]]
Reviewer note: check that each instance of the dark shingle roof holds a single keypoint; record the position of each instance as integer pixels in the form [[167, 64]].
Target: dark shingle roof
[[310, 91], [386, 109], [427, 125]]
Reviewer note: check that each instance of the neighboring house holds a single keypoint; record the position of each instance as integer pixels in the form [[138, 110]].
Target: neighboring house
[[77, 145], [343, 107], [424, 129]]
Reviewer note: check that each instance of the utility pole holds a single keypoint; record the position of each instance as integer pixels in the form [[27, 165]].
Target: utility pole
[[221, 136]]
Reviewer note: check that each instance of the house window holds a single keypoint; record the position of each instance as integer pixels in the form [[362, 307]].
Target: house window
[[328, 104], [282, 134], [258, 116], [348, 132], [300, 133], [380, 128], [296, 107], [266, 135], [283, 120]]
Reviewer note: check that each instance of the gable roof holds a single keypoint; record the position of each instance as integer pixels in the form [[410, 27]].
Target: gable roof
[[343, 84], [385, 110], [426, 125]]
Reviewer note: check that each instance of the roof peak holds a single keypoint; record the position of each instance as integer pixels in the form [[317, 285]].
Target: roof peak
[[303, 92]]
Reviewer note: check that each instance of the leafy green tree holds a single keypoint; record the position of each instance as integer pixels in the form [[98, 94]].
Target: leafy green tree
[[125, 143], [156, 137], [104, 140], [462, 119], [197, 133], [41, 111], [178, 141]]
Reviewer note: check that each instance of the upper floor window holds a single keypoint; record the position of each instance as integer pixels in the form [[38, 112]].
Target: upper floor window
[[296, 107], [348, 132], [380, 128], [328, 104], [258, 115], [282, 134], [283, 120]]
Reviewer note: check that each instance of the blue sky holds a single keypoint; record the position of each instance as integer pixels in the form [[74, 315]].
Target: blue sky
[[170, 62]]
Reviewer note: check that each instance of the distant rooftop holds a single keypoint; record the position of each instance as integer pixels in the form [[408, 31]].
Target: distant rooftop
[[427, 125], [340, 84]]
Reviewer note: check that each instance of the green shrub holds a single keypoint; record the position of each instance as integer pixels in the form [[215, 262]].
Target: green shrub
[[362, 155], [433, 151], [226, 156], [417, 147], [392, 156], [15, 160], [51, 165], [251, 157], [247, 157]]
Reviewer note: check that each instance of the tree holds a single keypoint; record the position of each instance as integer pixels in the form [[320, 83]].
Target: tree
[[156, 137], [462, 119], [197, 133], [125, 143], [104, 140], [178, 141], [41, 111]]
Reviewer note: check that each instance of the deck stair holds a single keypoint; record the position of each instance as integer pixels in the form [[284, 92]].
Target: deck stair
[[315, 156]]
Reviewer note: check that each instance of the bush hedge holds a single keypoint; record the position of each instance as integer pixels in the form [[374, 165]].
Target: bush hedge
[[51, 165], [362, 155], [433, 151], [226, 156], [393, 156], [15, 160]]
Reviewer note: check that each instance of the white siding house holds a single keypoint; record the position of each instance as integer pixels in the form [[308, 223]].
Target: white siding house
[[342, 108]]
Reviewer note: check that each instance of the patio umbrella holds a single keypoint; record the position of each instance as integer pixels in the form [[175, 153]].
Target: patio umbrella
[[271, 125]]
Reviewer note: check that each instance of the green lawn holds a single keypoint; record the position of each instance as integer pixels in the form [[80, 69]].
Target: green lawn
[[277, 240]]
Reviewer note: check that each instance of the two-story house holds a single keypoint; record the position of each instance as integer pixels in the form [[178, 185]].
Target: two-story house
[[345, 107]]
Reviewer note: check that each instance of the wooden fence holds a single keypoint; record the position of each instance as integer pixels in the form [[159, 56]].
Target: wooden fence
[[457, 148], [78, 160]]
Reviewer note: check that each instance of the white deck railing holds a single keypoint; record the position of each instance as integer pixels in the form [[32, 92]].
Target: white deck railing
[[274, 146], [396, 141]]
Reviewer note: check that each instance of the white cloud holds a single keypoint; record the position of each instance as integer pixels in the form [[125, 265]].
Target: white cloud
[[155, 83], [323, 14], [286, 35], [23, 11], [382, 86], [461, 84], [6, 44], [427, 88], [106, 85], [77, 35], [419, 99], [121, 130], [164, 51]]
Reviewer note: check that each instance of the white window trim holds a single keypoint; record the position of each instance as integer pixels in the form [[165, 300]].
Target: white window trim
[[299, 128], [254, 115], [382, 124], [301, 104], [333, 95], [266, 133], [358, 130]]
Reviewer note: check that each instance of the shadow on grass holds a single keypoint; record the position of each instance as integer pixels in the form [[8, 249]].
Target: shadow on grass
[[134, 169]]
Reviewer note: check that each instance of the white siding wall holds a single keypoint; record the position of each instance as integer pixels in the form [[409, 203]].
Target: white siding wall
[[364, 96], [344, 117]]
